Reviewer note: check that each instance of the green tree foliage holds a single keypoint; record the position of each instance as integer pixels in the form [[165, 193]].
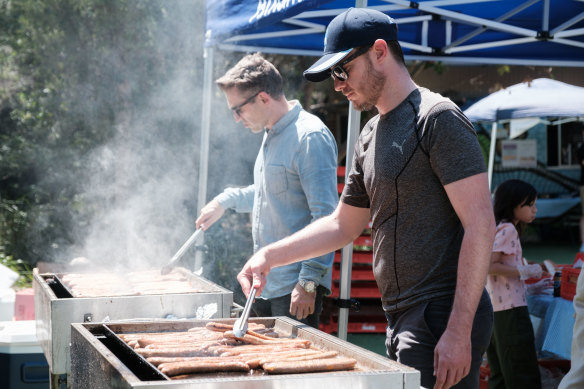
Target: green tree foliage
[[76, 74]]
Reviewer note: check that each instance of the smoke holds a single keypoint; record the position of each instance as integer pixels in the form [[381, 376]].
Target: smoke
[[141, 186], [138, 192]]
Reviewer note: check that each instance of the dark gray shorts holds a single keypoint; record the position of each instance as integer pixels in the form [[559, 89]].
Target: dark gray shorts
[[412, 336]]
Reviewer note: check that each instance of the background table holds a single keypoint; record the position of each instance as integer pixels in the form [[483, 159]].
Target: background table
[[554, 332]]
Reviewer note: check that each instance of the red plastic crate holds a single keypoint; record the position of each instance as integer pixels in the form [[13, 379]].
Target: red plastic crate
[[358, 273], [369, 318], [365, 257], [364, 243], [354, 327], [362, 289], [569, 281]]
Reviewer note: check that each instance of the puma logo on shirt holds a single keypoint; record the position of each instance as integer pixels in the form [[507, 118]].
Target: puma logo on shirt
[[398, 146]]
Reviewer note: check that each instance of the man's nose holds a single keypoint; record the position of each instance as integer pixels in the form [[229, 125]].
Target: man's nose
[[339, 85]]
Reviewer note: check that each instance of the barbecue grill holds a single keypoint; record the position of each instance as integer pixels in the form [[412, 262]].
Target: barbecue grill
[[101, 359], [56, 309]]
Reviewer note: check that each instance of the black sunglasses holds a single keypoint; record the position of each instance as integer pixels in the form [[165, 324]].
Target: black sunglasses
[[340, 73], [237, 108]]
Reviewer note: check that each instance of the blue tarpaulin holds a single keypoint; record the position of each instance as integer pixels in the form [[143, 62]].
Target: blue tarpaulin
[[536, 32]]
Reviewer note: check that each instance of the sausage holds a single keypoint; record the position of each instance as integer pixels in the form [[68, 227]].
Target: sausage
[[160, 360], [257, 334], [143, 342], [298, 357], [260, 349], [175, 344], [250, 338], [222, 327], [259, 355], [133, 343], [315, 365], [185, 367], [172, 352], [256, 360]]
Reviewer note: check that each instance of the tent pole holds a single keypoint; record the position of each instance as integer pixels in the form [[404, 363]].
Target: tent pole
[[204, 140], [347, 251], [492, 152], [354, 123]]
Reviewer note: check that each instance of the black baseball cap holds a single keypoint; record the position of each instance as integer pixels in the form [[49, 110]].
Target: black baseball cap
[[355, 27]]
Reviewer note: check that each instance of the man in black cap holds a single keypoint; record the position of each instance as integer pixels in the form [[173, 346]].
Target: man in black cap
[[420, 176]]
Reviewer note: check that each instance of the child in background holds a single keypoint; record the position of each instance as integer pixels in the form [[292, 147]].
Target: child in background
[[512, 356]]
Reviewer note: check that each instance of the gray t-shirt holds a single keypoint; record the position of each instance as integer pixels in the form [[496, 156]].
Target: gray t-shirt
[[403, 160]]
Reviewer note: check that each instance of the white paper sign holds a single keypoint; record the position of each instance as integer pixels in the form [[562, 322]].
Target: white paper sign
[[519, 153]]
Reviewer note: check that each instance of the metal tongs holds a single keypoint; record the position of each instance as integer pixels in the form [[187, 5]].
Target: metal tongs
[[240, 325], [170, 265]]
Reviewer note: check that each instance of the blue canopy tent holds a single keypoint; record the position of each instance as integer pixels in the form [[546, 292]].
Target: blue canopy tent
[[512, 32]]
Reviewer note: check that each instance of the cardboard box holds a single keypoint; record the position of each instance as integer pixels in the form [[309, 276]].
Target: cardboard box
[[24, 304]]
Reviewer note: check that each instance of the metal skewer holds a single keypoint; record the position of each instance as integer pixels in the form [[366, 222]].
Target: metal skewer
[[170, 265]]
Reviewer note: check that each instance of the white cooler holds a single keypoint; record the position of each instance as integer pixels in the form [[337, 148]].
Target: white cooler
[[22, 362], [7, 301]]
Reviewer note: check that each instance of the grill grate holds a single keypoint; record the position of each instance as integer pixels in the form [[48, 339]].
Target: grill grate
[[60, 290], [141, 368]]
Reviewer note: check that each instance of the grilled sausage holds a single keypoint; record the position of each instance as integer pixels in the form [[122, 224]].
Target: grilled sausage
[[328, 364], [186, 367], [252, 338], [156, 361], [222, 327], [298, 357], [172, 352]]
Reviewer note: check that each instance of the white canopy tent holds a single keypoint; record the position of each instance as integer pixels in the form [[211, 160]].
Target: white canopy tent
[[540, 98]]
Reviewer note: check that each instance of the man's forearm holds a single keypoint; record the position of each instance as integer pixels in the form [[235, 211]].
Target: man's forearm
[[312, 241], [473, 267], [323, 236]]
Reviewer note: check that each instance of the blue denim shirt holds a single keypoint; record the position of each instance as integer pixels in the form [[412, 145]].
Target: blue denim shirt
[[295, 183]]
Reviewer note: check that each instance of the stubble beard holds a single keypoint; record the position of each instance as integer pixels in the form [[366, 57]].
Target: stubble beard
[[374, 83]]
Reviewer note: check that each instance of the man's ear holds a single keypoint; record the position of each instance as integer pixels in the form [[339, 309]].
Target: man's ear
[[264, 97], [380, 49]]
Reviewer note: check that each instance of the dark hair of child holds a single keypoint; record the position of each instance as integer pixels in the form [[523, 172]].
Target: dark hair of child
[[508, 196]]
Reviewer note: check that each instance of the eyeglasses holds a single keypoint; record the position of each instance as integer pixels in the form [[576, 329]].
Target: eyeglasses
[[340, 73], [237, 109]]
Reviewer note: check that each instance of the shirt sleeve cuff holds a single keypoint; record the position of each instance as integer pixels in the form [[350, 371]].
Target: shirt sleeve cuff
[[312, 271]]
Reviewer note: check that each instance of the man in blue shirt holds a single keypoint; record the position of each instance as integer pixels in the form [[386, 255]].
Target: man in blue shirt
[[294, 184]]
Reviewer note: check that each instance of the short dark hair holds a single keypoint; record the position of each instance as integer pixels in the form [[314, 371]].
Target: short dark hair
[[509, 195], [396, 51], [253, 73]]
